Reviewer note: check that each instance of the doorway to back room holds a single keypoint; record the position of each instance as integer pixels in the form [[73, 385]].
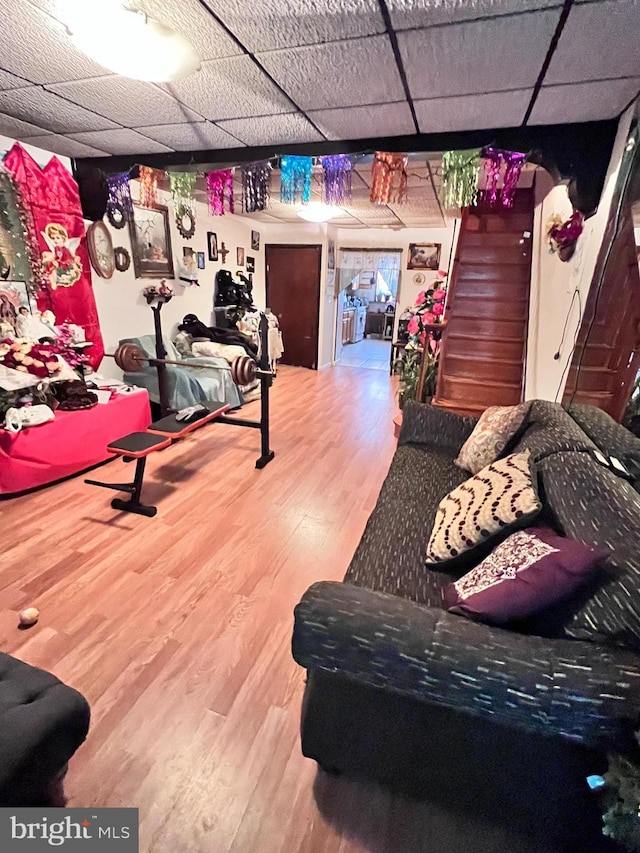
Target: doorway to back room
[[368, 281]]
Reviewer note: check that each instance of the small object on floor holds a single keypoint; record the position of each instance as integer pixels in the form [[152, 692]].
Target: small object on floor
[[191, 413], [29, 616]]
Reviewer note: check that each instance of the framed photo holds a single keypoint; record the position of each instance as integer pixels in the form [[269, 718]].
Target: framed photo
[[212, 245], [151, 243], [331, 255], [255, 241], [200, 260], [424, 256], [251, 264], [240, 256], [13, 296]]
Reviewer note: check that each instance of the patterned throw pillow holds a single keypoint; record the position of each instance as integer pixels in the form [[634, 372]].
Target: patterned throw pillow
[[483, 510], [495, 429], [528, 572]]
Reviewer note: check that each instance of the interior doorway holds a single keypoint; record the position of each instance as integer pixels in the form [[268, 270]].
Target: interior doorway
[[293, 295], [368, 281]]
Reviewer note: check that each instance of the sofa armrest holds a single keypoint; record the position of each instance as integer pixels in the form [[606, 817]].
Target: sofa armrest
[[430, 425], [583, 691]]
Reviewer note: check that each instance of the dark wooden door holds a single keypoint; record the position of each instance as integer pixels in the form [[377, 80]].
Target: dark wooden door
[[293, 294], [607, 354], [484, 344]]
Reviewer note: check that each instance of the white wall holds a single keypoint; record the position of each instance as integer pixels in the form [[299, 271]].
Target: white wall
[[124, 312], [553, 282]]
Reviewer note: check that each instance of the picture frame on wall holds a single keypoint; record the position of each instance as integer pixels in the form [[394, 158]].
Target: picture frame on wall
[[255, 241], [331, 255], [240, 256], [212, 245], [251, 264], [13, 296], [151, 242], [424, 256], [201, 260]]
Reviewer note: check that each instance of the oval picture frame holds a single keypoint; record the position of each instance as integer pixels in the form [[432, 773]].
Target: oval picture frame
[[186, 224], [116, 215], [122, 258]]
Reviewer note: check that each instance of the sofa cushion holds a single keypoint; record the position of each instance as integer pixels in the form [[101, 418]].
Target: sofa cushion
[[612, 438], [390, 555], [481, 512], [531, 570], [587, 502], [497, 426], [432, 426], [550, 429]]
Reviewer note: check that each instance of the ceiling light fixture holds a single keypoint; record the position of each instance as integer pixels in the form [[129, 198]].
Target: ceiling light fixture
[[129, 42], [317, 211]]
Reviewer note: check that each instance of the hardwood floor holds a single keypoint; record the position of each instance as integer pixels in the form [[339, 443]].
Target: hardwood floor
[[177, 629]]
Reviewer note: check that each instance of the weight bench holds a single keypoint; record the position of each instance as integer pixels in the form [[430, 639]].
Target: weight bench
[[138, 445]]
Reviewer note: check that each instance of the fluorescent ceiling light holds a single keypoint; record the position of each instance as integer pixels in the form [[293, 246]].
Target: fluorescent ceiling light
[[317, 211], [128, 42]]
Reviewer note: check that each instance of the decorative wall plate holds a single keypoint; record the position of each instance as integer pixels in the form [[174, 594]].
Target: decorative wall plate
[[122, 259], [419, 278], [100, 249], [116, 215], [186, 224]]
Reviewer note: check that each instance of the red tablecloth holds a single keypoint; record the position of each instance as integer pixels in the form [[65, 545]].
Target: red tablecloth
[[71, 443]]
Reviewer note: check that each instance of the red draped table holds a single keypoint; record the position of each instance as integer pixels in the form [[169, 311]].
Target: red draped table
[[73, 442]]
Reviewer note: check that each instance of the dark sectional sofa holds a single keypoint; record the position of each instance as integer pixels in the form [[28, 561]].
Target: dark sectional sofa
[[405, 693]]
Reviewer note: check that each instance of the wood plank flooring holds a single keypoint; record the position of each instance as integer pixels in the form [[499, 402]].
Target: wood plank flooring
[[177, 629]]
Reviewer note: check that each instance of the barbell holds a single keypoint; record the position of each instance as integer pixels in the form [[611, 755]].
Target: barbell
[[128, 356]]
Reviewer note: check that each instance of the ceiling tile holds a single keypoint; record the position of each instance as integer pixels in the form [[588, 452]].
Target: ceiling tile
[[340, 74], [194, 136], [409, 14], [364, 122], [10, 81], [274, 24], [11, 126], [121, 141], [473, 112], [272, 130], [38, 48], [51, 112], [599, 40], [583, 101], [190, 18], [464, 59], [230, 88], [127, 102], [65, 146]]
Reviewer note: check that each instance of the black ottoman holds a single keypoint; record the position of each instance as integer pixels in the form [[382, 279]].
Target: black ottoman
[[42, 723]]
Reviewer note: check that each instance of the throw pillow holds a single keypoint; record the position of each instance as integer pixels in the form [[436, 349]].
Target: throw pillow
[[484, 510], [495, 429], [528, 572]]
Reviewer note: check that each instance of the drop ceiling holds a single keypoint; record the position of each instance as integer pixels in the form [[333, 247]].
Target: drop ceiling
[[276, 72]]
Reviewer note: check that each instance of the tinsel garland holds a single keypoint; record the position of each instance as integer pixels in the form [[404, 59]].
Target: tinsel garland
[[120, 193], [149, 186], [29, 235], [295, 179], [500, 164], [460, 172], [219, 186], [183, 186], [337, 179], [388, 178], [255, 186]]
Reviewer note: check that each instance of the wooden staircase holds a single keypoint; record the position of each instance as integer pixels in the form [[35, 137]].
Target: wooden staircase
[[484, 345]]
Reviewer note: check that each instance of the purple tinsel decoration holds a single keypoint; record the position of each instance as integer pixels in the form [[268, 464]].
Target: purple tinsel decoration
[[295, 179], [337, 179], [120, 192], [255, 186], [219, 186], [494, 161]]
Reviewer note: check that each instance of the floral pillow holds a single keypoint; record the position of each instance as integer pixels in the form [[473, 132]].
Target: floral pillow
[[495, 429], [482, 511], [528, 572]]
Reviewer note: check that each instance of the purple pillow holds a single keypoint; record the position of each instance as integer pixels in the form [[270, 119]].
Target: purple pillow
[[528, 572]]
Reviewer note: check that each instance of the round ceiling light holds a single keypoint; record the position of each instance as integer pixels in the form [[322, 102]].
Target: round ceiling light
[[317, 211], [131, 43]]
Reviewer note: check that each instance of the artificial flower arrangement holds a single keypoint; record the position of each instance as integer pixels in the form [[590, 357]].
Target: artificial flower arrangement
[[427, 311], [162, 291], [65, 340], [563, 236], [36, 358]]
